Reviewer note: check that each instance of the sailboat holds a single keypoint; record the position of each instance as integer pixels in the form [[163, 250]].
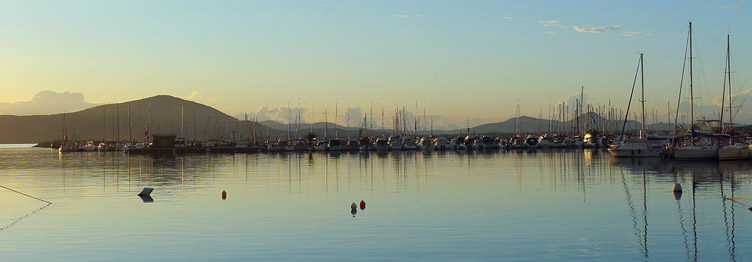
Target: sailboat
[[694, 151], [732, 151], [65, 145], [639, 147]]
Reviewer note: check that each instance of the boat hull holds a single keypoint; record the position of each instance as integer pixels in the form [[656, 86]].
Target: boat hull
[[618, 152], [695, 153], [734, 153]]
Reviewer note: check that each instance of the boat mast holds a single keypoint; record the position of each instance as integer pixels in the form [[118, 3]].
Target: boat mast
[[382, 117], [728, 65], [347, 121], [65, 137], [371, 118], [691, 94], [579, 111], [130, 135], [681, 85], [182, 121], [643, 132]]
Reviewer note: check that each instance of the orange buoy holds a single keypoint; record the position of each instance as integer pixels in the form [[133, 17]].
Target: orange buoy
[[362, 205], [224, 195]]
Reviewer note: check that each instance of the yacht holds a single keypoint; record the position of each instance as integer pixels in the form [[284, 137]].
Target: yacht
[[319, 145], [286, 145], [334, 145], [546, 141], [364, 144], [737, 151], [425, 144], [457, 143], [68, 147], [531, 141], [517, 142], [589, 141], [485, 143], [634, 148], [350, 144], [692, 150], [395, 142], [301, 145], [273, 146], [408, 144], [382, 145], [440, 143]]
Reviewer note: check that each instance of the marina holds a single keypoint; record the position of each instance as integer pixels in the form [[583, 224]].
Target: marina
[[375, 130]]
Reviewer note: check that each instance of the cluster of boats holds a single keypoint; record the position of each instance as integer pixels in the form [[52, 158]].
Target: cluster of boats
[[91, 146], [703, 140], [392, 143], [687, 150], [428, 143]]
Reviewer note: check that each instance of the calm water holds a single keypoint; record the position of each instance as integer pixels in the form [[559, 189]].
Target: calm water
[[546, 205]]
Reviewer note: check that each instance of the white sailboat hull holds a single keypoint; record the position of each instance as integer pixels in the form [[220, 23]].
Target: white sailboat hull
[[635, 149], [618, 152], [695, 153], [734, 153]]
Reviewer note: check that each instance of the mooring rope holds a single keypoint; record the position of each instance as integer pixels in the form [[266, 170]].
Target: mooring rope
[[25, 216], [740, 203], [743, 197], [21, 193]]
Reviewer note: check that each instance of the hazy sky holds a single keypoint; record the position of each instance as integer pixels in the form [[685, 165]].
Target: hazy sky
[[456, 58]]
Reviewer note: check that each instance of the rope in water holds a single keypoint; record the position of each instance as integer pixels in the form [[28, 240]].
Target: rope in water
[[25, 216], [743, 197], [740, 203], [27, 195]]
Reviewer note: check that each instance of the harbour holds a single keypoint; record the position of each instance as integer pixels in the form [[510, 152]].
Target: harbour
[[375, 131]]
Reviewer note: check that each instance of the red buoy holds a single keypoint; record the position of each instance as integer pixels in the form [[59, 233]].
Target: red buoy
[[362, 205], [224, 195]]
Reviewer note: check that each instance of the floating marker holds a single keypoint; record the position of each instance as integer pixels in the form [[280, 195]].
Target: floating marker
[[353, 209], [677, 188], [146, 191], [146, 199], [224, 195], [362, 205]]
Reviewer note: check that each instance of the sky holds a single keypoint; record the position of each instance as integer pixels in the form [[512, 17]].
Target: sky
[[457, 59]]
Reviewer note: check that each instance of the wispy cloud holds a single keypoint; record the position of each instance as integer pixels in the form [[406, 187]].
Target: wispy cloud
[[549, 23], [508, 17], [736, 6], [595, 30], [199, 98], [47, 102], [549, 32], [633, 33], [736, 97], [193, 96], [407, 16]]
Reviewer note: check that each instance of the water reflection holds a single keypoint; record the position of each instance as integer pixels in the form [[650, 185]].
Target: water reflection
[[597, 199], [146, 198]]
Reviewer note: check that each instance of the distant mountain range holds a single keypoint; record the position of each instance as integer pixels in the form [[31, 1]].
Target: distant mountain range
[[201, 122], [110, 122]]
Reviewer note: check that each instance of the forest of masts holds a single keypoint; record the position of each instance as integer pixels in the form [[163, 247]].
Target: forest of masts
[[604, 119]]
